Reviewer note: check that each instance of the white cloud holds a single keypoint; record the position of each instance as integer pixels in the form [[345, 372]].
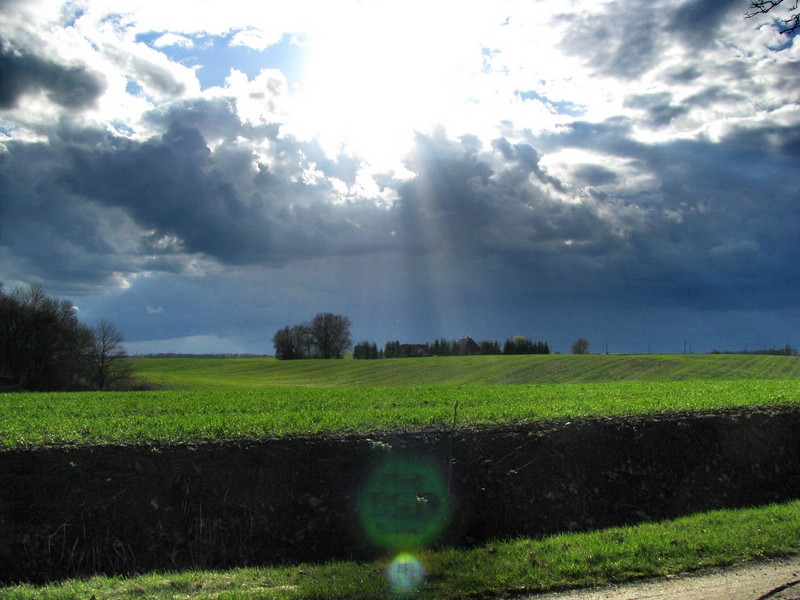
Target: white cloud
[[259, 101], [258, 39], [172, 39], [376, 72]]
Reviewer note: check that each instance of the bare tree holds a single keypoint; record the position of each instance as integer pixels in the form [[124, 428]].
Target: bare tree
[[581, 346], [292, 342], [762, 7], [331, 334], [109, 366]]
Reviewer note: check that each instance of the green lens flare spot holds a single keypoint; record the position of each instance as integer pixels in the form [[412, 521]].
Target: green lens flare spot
[[404, 504], [406, 574]]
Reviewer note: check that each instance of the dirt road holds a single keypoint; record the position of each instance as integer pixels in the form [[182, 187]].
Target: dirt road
[[768, 580]]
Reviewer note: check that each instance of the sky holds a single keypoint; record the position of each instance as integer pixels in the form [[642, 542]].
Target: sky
[[203, 173]]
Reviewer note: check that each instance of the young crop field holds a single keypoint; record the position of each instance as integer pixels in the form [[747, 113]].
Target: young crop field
[[492, 370], [36, 419]]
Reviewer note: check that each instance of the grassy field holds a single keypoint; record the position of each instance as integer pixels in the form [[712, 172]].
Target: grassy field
[[30, 420], [497, 569], [195, 373], [200, 399]]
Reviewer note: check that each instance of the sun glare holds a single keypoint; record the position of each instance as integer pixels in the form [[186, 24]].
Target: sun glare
[[368, 84]]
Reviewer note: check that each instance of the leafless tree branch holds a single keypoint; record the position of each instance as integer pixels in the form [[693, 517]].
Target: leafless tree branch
[[762, 7]]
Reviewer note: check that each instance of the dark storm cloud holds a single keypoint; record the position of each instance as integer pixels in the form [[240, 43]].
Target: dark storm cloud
[[173, 198], [211, 118], [527, 158], [623, 42], [594, 175], [737, 70], [628, 39], [658, 106], [170, 198], [683, 75], [769, 139], [717, 228], [697, 21], [58, 237], [612, 136], [496, 203], [714, 227], [715, 94], [170, 184], [216, 119], [22, 73]]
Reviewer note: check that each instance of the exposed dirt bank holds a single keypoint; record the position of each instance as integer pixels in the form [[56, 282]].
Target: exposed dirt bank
[[76, 511]]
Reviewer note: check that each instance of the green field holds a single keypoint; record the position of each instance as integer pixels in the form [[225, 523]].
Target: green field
[[202, 399], [212, 399], [28, 420], [197, 373]]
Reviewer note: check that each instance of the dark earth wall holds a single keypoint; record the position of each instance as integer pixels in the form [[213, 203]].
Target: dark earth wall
[[77, 511]]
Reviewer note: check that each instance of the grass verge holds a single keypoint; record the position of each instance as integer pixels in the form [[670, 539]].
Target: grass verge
[[716, 538]]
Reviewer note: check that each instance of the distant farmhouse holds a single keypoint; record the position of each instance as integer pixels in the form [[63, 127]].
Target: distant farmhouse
[[467, 346]]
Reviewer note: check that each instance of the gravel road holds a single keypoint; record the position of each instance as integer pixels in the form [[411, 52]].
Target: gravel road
[[765, 580]]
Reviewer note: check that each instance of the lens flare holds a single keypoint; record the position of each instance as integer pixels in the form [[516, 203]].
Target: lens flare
[[404, 504], [405, 574]]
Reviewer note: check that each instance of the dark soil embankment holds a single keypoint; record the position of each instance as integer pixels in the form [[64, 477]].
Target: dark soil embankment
[[77, 511]]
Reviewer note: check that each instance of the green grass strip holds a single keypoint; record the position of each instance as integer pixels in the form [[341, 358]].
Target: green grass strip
[[615, 555], [33, 420], [461, 370]]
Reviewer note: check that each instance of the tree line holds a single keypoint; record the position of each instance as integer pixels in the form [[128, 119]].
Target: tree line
[[787, 350], [444, 347], [327, 335], [43, 346]]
